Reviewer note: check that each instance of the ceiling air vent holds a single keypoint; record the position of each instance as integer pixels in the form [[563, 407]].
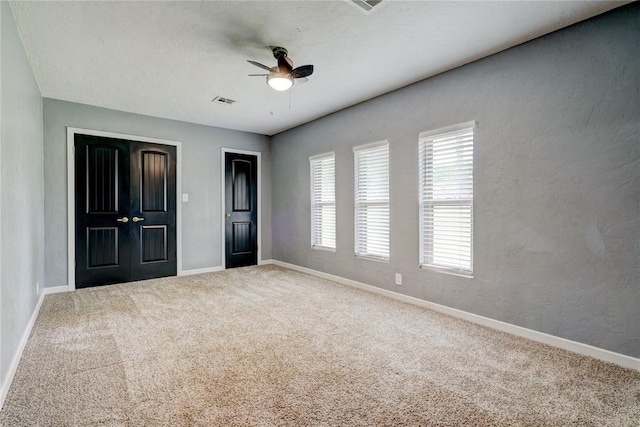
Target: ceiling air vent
[[224, 101], [367, 6]]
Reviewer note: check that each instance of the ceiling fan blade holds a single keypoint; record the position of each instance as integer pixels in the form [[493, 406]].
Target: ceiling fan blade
[[303, 71], [261, 75], [259, 65]]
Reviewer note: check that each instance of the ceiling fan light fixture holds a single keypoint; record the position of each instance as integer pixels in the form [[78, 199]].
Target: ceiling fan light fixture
[[280, 82], [282, 76]]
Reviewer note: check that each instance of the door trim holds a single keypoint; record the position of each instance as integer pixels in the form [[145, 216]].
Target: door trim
[[258, 155], [71, 202]]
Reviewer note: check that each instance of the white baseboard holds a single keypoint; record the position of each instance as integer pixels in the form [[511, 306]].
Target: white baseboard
[[201, 270], [573, 346], [55, 290], [4, 390], [6, 384]]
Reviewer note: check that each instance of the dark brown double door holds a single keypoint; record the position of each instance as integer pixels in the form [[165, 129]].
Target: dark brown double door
[[125, 210]]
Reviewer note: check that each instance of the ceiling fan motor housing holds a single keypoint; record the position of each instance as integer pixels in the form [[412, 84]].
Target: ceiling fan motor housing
[[279, 51]]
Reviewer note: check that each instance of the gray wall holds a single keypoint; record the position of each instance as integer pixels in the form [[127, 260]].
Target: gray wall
[[201, 149], [557, 184], [21, 193]]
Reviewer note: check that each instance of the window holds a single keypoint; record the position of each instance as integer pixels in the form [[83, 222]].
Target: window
[[371, 167], [323, 201], [446, 199]]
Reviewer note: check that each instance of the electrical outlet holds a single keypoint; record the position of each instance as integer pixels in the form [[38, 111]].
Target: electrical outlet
[[398, 279]]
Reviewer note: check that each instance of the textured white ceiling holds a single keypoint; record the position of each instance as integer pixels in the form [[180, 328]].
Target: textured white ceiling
[[170, 59]]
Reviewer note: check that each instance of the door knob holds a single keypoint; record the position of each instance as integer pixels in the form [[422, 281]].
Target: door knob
[[123, 219], [228, 215], [136, 219]]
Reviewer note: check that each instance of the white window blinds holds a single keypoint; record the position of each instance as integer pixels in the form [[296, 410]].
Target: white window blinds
[[371, 167], [446, 201], [323, 201]]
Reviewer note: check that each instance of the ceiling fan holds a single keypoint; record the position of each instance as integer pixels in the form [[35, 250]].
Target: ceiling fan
[[281, 77]]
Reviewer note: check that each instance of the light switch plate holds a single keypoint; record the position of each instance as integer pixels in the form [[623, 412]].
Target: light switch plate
[[185, 197]]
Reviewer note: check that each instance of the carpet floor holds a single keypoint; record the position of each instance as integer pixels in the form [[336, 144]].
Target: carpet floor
[[266, 346]]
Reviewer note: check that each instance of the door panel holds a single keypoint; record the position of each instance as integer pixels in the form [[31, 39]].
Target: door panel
[[103, 176], [154, 181], [102, 244], [125, 211], [154, 243], [241, 175], [241, 222], [102, 203], [241, 237]]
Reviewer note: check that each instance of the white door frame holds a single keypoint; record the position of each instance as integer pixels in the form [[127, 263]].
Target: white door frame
[[223, 207], [71, 200]]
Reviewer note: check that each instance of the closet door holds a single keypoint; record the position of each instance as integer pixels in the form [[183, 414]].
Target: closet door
[[125, 210], [103, 247], [153, 210]]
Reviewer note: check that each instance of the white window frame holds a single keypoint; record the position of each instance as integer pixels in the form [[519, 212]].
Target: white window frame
[[314, 160], [359, 204], [426, 259]]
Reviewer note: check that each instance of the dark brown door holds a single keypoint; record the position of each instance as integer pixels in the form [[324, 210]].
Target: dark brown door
[[153, 206], [241, 217], [125, 210], [102, 211]]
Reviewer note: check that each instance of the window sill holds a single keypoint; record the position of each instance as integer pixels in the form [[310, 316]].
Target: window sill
[[323, 248], [372, 258], [447, 271]]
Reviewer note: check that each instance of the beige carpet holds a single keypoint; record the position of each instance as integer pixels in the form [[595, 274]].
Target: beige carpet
[[268, 346]]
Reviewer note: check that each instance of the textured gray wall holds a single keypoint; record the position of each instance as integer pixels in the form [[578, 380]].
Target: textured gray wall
[[201, 148], [557, 184], [21, 193]]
